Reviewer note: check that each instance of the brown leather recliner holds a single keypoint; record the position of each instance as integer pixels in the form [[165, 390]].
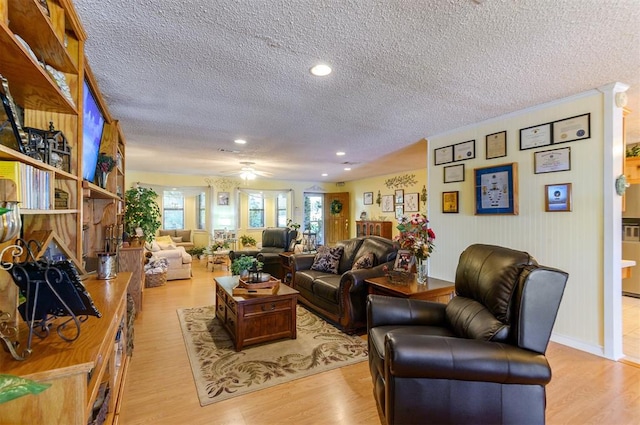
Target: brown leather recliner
[[479, 359]]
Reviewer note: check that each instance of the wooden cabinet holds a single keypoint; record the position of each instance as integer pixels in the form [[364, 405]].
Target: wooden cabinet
[[131, 259], [374, 228], [75, 369], [632, 170]]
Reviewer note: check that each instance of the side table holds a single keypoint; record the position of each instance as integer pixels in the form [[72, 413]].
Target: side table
[[433, 290], [285, 258], [218, 257]]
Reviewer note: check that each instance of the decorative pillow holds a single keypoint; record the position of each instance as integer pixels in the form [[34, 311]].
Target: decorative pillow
[[164, 239], [176, 239], [166, 246], [327, 259], [365, 261], [155, 247]]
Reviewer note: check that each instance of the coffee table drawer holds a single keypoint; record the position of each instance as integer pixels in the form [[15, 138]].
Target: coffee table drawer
[[267, 306]]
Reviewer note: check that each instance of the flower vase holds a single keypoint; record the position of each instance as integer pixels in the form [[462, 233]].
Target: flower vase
[[421, 270], [102, 179]]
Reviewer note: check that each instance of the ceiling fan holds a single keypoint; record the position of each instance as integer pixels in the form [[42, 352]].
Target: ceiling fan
[[248, 172]]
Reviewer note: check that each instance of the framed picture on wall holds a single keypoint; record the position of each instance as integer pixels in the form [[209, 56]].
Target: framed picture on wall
[[399, 196], [496, 145], [368, 198], [387, 203], [411, 202], [557, 197], [450, 202], [223, 198], [465, 150], [399, 212], [497, 189]]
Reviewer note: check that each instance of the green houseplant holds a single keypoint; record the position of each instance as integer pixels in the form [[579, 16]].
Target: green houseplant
[[247, 240], [141, 211], [242, 264]]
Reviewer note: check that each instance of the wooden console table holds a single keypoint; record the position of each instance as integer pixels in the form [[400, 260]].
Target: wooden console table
[[255, 319], [287, 271], [433, 290], [75, 369]]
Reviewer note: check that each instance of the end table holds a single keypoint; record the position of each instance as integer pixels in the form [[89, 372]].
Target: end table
[[433, 290]]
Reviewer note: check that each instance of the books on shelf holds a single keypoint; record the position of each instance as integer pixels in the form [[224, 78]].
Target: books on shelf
[[33, 185]]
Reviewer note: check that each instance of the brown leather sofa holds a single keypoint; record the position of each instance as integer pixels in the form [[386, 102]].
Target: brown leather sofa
[[479, 359], [274, 241], [341, 298]]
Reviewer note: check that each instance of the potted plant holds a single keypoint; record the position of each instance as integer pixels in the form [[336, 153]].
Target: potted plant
[[103, 167], [197, 251], [142, 213], [241, 265], [247, 241]]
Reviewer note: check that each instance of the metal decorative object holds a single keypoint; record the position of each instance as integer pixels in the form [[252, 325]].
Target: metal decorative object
[[49, 146], [401, 181]]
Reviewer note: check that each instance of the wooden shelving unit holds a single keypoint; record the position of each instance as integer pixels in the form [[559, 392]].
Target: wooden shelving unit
[[374, 228], [80, 226]]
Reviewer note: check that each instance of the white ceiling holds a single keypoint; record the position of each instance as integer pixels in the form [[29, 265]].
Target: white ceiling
[[186, 78]]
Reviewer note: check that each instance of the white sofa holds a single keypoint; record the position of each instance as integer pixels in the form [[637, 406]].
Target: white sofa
[[177, 257]]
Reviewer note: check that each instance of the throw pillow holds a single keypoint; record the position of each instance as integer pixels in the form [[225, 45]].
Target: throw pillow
[[327, 259], [166, 246], [176, 239], [365, 261], [164, 239]]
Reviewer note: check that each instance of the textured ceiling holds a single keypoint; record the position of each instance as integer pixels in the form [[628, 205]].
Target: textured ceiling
[[187, 78]]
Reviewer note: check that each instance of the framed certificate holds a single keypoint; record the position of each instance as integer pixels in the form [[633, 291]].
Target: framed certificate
[[443, 155], [557, 197], [454, 173], [497, 189], [552, 161], [450, 202], [496, 145], [535, 137], [465, 150], [570, 129]]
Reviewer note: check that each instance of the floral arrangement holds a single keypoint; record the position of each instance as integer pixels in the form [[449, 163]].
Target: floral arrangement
[[416, 235], [105, 162], [216, 245]]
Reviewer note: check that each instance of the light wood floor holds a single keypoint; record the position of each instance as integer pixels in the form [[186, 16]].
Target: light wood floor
[[160, 390], [631, 328]]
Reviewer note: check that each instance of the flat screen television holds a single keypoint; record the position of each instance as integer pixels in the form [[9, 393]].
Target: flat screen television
[[92, 127]]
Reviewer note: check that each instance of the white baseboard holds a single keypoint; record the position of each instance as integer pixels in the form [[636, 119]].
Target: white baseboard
[[597, 350]]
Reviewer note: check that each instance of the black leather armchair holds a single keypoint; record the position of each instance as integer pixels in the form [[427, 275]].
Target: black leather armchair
[[479, 359], [274, 241]]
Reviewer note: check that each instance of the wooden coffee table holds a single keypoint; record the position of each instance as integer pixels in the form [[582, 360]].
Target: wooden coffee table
[[433, 290], [255, 319]]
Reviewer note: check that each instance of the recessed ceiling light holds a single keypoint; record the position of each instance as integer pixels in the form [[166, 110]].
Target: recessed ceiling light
[[320, 70], [347, 169], [240, 141], [340, 153], [324, 174]]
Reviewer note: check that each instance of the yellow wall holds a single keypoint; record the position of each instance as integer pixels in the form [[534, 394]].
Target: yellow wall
[[357, 189]]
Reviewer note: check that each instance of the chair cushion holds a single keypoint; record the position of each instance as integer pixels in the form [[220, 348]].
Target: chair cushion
[[176, 239], [470, 319], [327, 259], [365, 261]]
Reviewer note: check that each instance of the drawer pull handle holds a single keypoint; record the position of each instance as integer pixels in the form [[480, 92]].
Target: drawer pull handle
[[273, 307]]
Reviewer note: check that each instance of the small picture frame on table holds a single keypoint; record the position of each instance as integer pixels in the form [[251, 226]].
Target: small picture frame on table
[[450, 202], [399, 196], [368, 198], [404, 261], [557, 197]]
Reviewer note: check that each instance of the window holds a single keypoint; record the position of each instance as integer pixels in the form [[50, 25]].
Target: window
[[313, 204], [281, 210], [173, 210], [256, 210], [201, 212]]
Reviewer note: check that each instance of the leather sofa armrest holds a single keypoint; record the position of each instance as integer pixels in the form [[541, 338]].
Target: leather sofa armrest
[[435, 357], [356, 278], [301, 261], [382, 311]]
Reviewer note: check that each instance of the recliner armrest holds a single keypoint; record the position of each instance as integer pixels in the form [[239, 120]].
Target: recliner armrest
[[436, 357], [382, 311]]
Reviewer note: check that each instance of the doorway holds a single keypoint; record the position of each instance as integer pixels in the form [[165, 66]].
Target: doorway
[[314, 216]]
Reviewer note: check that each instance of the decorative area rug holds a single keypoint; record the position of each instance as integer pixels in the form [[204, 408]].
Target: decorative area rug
[[221, 373]]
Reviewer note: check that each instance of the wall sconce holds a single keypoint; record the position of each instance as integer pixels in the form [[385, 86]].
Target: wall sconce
[[379, 199], [423, 195]]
